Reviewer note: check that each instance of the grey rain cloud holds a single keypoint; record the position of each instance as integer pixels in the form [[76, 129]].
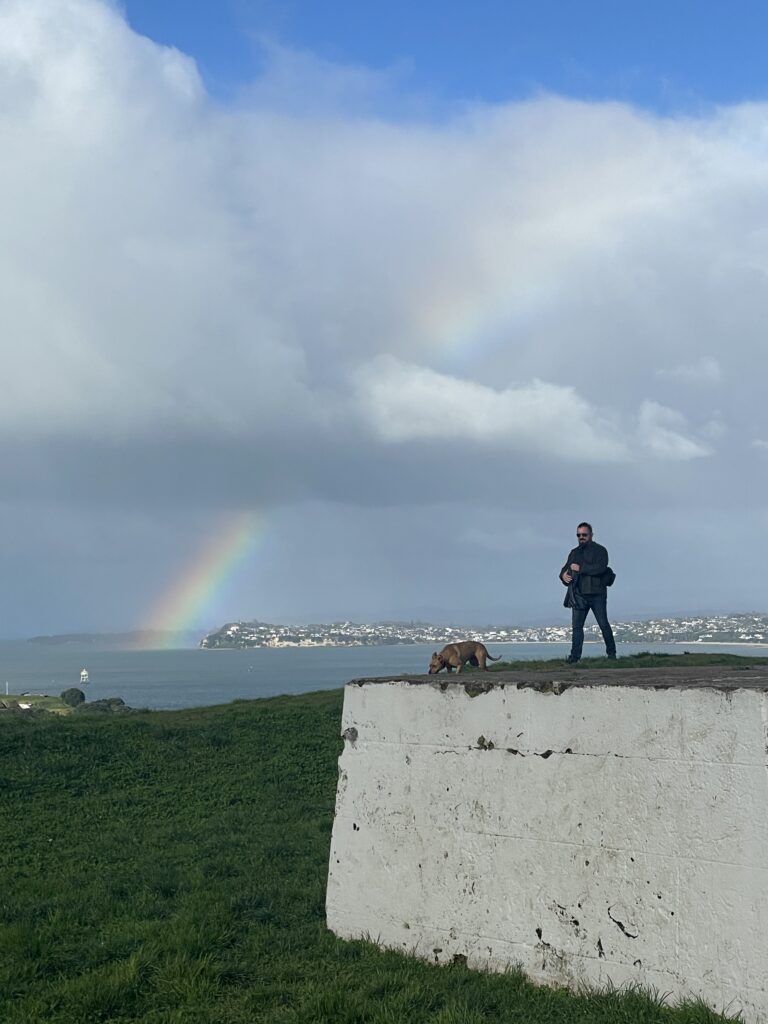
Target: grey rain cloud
[[430, 336]]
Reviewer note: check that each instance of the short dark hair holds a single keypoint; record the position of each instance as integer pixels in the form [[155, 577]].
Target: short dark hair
[[588, 526]]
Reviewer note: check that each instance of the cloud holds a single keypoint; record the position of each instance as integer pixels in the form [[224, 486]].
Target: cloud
[[704, 370], [129, 273], [302, 84], [171, 266], [661, 434], [402, 402]]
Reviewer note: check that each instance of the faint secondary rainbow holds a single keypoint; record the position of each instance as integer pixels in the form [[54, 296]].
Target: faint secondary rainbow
[[461, 328], [193, 594]]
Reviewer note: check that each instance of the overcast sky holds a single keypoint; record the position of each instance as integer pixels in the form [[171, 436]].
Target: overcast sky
[[420, 292]]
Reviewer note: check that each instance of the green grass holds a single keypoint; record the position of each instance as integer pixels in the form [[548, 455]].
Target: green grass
[[170, 868], [38, 701]]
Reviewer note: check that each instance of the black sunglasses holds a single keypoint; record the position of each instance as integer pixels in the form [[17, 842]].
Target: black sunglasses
[[582, 534]]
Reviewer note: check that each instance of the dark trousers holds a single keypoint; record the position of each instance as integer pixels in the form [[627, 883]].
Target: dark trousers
[[598, 603]]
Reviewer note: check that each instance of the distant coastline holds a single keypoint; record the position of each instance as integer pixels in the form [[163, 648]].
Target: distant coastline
[[744, 628], [721, 630], [130, 638]]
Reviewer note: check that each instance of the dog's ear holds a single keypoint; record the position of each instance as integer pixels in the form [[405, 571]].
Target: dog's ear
[[434, 654]]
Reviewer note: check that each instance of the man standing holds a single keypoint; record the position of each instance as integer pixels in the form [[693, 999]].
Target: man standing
[[586, 568]]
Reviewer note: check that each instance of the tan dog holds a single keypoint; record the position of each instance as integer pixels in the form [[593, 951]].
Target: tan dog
[[455, 656]]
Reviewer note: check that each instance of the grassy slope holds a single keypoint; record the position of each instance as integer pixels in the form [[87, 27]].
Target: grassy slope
[[54, 704], [170, 867]]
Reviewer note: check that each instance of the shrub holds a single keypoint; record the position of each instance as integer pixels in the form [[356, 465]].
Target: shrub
[[73, 696]]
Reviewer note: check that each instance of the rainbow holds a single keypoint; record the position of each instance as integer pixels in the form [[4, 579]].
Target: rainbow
[[192, 596], [460, 325]]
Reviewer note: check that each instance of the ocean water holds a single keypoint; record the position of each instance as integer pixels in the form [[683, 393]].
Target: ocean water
[[193, 678]]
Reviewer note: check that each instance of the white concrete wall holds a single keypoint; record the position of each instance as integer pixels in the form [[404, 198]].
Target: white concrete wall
[[608, 833]]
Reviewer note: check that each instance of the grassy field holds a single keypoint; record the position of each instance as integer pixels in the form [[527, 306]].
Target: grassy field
[[170, 867], [38, 701]]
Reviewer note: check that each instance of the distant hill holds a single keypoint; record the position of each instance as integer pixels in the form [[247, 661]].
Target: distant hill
[[132, 638]]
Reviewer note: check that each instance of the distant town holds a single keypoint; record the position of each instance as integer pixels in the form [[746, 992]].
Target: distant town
[[744, 628]]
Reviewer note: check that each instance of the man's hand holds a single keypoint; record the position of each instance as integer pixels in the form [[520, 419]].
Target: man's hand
[[574, 567], [566, 577]]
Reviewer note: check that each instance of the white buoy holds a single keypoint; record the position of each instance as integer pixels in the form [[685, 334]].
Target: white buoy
[[84, 676]]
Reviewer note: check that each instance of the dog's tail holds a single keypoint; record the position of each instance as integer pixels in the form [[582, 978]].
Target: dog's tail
[[497, 658]]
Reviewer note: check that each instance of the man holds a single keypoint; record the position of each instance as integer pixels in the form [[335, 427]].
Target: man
[[585, 567]]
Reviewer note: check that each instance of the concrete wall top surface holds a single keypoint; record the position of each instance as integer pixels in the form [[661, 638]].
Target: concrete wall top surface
[[725, 677]]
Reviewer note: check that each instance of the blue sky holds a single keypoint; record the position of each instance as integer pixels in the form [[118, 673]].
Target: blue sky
[[661, 55]]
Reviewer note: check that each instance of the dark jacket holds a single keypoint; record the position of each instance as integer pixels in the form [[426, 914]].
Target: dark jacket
[[593, 559]]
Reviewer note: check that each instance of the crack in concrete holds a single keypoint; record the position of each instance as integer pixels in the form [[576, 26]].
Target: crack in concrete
[[621, 926], [646, 758]]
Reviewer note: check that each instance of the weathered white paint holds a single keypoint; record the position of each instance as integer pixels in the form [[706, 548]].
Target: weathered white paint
[[605, 833]]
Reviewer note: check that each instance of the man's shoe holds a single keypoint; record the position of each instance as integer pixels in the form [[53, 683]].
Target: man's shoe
[[571, 660], [611, 657]]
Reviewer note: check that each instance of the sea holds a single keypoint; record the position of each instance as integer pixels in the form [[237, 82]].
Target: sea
[[192, 677]]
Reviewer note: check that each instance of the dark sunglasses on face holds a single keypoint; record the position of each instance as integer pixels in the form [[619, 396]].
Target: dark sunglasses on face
[[582, 534]]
